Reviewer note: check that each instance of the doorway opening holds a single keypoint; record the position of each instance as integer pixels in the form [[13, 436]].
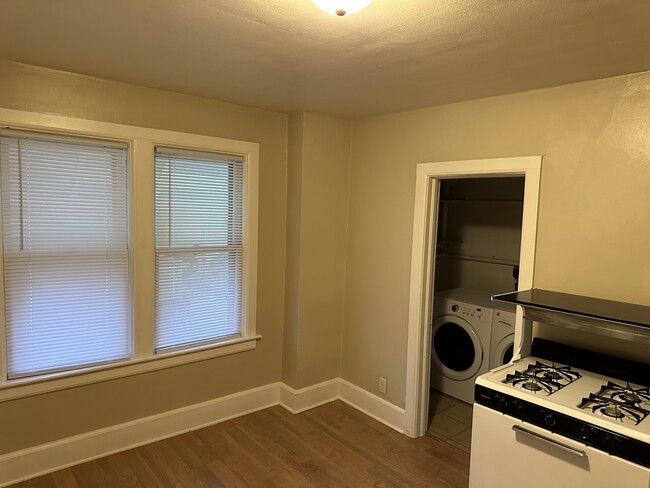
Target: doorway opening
[[477, 256], [441, 260]]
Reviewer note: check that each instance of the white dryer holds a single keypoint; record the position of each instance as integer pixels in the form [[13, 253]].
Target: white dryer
[[503, 335], [460, 341]]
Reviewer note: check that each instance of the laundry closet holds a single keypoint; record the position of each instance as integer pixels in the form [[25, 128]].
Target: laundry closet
[[477, 256]]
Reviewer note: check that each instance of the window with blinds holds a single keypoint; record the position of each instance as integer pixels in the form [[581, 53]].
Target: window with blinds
[[199, 229], [65, 253]]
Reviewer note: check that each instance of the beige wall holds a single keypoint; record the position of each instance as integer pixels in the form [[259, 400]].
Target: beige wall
[[319, 163], [43, 418], [292, 264], [594, 210]]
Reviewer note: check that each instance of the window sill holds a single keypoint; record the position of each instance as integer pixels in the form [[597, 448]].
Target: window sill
[[24, 387]]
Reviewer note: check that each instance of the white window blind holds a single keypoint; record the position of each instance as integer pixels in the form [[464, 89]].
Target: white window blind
[[199, 247], [65, 256]]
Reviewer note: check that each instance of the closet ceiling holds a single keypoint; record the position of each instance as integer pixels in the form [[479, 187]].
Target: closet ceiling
[[287, 55]]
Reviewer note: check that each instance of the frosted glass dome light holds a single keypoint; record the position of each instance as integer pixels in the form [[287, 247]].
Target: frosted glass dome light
[[341, 7]]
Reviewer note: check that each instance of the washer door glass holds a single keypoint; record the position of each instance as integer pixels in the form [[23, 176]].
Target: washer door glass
[[456, 348]]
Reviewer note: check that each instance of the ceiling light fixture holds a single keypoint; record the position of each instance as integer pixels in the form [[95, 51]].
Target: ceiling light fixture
[[341, 7]]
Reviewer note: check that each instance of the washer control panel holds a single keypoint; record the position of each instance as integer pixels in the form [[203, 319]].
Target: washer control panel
[[468, 311]]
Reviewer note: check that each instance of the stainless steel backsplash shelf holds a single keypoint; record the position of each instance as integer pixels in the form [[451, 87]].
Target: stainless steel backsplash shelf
[[615, 319]]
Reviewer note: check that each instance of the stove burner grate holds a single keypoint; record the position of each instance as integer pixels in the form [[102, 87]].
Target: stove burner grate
[[621, 403], [540, 377]]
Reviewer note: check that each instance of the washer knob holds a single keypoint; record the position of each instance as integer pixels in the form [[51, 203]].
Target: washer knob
[[454, 308]]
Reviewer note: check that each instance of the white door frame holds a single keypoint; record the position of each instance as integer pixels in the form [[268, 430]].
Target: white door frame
[[423, 255]]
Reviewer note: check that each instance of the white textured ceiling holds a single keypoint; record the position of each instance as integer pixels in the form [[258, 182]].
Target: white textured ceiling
[[287, 55]]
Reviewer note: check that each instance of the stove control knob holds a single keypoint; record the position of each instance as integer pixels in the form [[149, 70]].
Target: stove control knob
[[521, 409], [584, 431], [503, 402], [608, 442], [550, 420]]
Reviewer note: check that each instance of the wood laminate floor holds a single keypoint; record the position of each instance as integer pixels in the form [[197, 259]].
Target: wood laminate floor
[[333, 445]]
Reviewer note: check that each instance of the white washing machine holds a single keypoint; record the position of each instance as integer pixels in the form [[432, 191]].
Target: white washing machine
[[460, 341], [503, 335]]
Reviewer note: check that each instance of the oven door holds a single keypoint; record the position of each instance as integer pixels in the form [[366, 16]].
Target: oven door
[[508, 452]]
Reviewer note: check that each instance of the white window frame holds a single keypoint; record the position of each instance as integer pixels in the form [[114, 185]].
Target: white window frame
[[141, 143]]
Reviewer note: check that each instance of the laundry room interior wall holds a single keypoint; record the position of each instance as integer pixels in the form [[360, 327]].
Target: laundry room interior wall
[[479, 233]]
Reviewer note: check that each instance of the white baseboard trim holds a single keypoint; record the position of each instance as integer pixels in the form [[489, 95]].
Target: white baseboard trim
[[46, 458], [297, 401], [373, 406]]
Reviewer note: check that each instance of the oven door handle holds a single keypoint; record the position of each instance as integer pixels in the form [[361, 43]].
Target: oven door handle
[[552, 442]]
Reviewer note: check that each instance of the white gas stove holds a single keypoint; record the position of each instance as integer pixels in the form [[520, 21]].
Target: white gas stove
[[609, 403], [582, 428]]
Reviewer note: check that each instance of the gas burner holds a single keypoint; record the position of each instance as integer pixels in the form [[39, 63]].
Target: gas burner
[[532, 385], [540, 377], [629, 397], [621, 403], [613, 411], [628, 394], [552, 375]]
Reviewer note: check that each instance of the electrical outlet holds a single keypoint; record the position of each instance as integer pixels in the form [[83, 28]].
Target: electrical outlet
[[382, 385]]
